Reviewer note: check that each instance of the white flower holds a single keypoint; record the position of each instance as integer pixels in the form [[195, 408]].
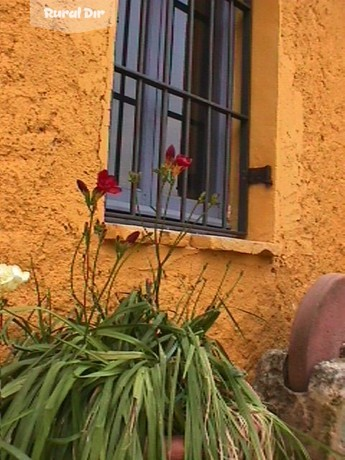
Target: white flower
[[11, 277]]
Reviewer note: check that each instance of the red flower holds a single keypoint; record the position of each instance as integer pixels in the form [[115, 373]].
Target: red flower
[[107, 184], [182, 162], [132, 238], [170, 154]]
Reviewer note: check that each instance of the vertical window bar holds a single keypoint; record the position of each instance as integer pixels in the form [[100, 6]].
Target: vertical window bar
[[122, 90], [228, 153], [139, 102], [244, 140], [187, 104], [209, 112], [165, 96]]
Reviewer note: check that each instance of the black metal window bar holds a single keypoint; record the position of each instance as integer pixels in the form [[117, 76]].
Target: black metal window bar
[[182, 78]]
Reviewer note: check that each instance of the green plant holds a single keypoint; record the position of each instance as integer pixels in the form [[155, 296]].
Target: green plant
[[120, 382]]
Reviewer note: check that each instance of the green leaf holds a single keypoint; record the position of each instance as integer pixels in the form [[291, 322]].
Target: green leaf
[[13, 451], [109, 332], [45, 423]]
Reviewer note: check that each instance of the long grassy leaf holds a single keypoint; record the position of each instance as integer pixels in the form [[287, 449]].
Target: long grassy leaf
[[13, 451]]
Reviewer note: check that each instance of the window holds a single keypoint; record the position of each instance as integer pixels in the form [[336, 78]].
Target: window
[[181, 77]]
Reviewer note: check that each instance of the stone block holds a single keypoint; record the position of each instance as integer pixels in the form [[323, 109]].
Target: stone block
[[319, 413]]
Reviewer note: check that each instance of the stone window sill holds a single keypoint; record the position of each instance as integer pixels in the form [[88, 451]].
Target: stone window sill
[[208, 242]]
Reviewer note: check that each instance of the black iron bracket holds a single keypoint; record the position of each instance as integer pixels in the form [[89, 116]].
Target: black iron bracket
[[261, 175]]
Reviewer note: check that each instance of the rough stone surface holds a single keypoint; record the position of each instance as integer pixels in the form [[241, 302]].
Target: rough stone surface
[[319, 412]]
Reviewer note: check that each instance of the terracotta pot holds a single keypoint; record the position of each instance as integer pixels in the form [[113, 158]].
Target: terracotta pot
[[176, 451]]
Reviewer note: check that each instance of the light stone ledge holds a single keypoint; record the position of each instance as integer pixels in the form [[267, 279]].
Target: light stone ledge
[[222, 243], [202, 242]]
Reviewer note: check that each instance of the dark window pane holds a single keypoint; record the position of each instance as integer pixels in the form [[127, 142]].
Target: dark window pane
[[234, 174], [201, 48], [218, 152], [197, 151], [238, 47]]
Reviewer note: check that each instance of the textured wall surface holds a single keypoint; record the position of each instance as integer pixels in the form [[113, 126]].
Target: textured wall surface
[[54, 103], [310, 168]]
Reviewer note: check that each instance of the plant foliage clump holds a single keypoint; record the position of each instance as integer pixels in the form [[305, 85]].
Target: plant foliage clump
[[119, 383]]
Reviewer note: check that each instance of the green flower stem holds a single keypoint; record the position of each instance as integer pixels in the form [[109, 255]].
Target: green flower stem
[[111, 284], [94, 269], [86, 261], [161, 262], [171, 184], [3, 303], [74, 295], [184, 311], [113, 273]]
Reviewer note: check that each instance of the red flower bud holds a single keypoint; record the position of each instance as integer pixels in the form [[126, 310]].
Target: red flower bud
[[107, 183], [132, 238], [170, 154], [82, 187]]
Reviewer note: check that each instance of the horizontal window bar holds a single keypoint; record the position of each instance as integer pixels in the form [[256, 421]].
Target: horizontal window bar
[[122, 98], [178, 92], [131, 219]]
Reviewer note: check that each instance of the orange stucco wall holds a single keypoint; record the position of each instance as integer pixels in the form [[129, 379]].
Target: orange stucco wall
[[54, 112]]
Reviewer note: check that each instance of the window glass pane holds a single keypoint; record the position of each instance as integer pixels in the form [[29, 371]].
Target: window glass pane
[[175, 104], [198, 130], [155, 39], [127, 36], [120, 31], [133, 35], [178, 50], [126, 144], [150, 141], [117, 82], [130, 87], [113, 136], [173, 136], [221, 79]]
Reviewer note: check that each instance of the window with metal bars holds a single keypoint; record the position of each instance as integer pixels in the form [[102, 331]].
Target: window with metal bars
[[181, 77]]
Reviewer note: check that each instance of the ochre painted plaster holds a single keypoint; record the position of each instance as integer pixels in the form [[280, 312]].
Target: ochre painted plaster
[[54, 112]]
